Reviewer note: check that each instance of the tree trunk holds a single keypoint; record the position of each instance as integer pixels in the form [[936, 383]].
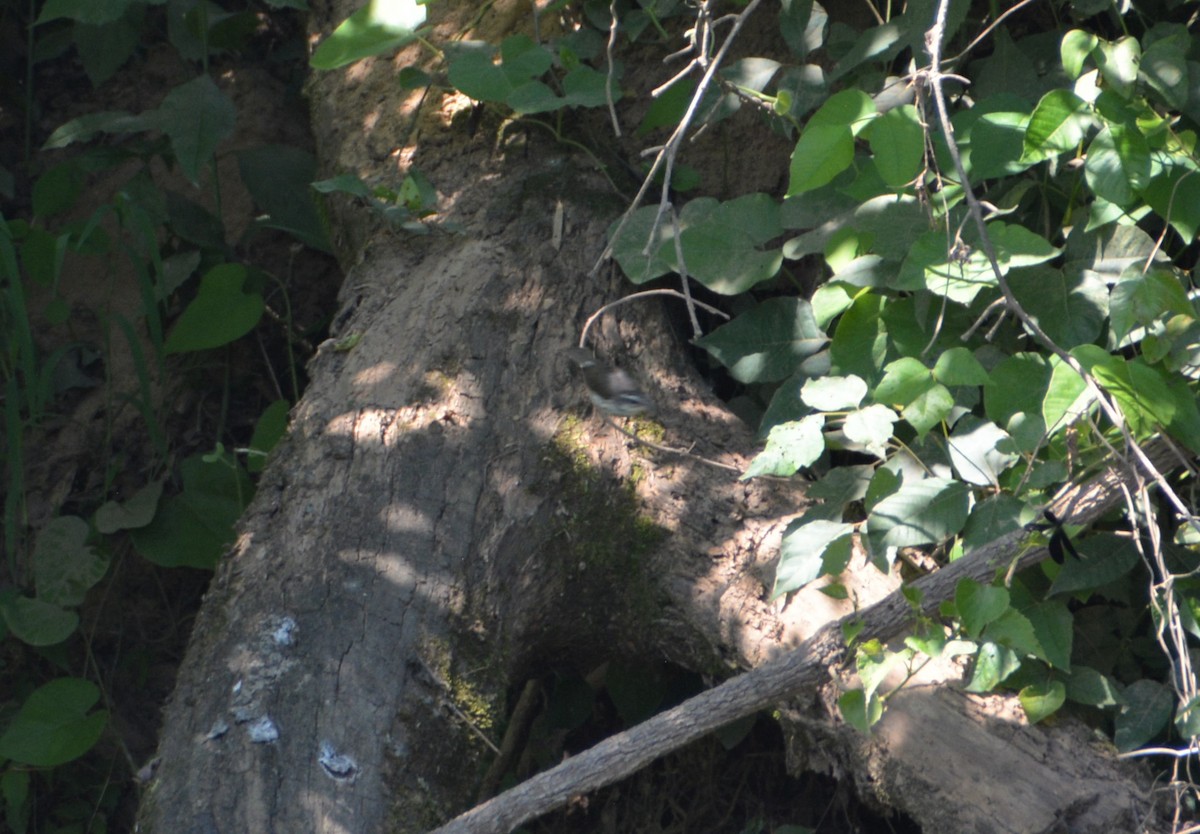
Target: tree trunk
[[446, 518]]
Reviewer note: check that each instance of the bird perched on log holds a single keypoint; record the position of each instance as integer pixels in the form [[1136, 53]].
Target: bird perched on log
[[611, 389]]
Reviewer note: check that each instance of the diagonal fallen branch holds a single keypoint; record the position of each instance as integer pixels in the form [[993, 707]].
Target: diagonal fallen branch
[[800, 670]]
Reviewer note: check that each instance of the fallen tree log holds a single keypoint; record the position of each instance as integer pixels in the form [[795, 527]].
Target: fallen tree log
[[805, 668]]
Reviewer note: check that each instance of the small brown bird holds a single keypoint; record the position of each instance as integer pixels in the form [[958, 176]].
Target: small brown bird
[[612, 390]]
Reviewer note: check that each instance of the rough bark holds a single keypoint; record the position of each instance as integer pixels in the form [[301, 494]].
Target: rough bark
[[445, 518]]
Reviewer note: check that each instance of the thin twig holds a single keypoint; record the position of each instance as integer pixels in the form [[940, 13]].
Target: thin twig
[[641, 294], [671, 450], [666, 157], [608, 78]]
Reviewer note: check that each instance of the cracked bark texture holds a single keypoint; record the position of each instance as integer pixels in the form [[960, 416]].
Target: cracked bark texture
[[445, 518]]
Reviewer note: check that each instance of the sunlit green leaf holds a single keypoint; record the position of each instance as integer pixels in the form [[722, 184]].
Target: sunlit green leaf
[[379, 26], [1042, 700], [1058, 124], [975, 453], [920, 512], [808, 550], [978, 605], [871, 427], [790, 447]]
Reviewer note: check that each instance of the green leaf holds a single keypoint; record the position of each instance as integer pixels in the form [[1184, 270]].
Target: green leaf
[[1067, 399], [1118, 63], [104, 49], [635, 691], [1017, 386], [53, 727], [1077, 46], [920, 512], [1058, 124], [927, 266], [1175, 196], [65, 567], [1145, 713], [56, 190], [993, 663], [878, 43], [669, 107], [871, 428], [1185, 425], [1087, 686], [797, 23], [897, 141], [822, 152], [1118, 163], [1016, 246], [37, 622], [975, 451], [197, 116], [860, 342], [874, 662], [95, 12], [979, 605], [766, 343], [960, 278], [344, 184], [908, 383], [790, 447], [1142, 391], [903, 381], [1070, 309], [1165, 67], [929, 409], [379, 26], [269, 430], [278, 178], [136, 512], [996, 516], [833, 393], [725, 259], [513, 80], [721, 241], [841, 486], [1140, 299], [221, 312], [14, 787], [732, 734], [1054, 630], [1013, 630], [859, 711], [811, 548], [826, 147], [1106, 558], [997, 145], [193, 528], [1187, 719], [958, 366], [1042, 700]]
